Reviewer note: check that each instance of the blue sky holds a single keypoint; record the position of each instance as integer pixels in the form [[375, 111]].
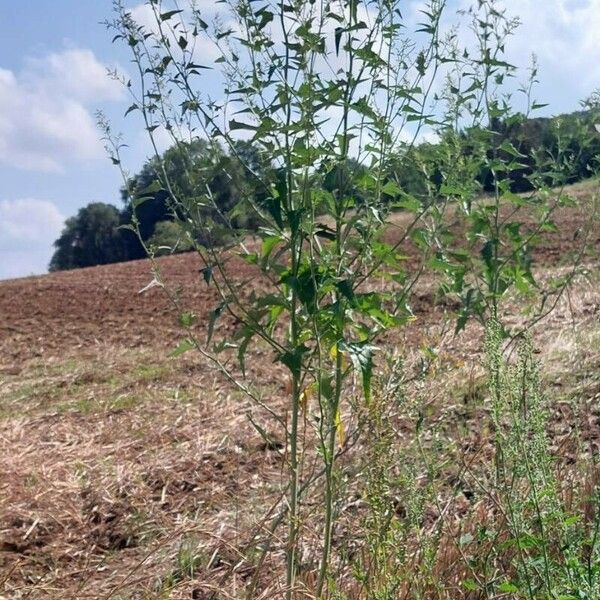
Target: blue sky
[[53, 56]]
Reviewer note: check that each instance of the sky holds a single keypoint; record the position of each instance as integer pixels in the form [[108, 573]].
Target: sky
[[53, 60]]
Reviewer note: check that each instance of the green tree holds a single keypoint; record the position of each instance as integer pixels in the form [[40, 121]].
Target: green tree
[[558, 149], [90, 238], [206, 181], [169, 237]]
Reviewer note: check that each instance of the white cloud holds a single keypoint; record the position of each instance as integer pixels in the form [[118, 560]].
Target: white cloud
[[25, 221], [45, 112], [564, 35], [205, 51], [78, 72], [28, 227]]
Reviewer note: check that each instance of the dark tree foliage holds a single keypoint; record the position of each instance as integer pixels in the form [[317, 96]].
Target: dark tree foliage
[[205, 179], [539, 141], [156, 205], [209, 181], [90, 238]]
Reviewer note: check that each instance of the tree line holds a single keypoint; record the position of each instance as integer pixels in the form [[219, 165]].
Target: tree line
[[227, 188]]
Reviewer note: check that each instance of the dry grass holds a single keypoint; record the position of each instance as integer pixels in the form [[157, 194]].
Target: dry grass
[[124, 468]]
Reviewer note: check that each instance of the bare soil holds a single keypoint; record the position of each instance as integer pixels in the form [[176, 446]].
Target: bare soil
[[77, 310]]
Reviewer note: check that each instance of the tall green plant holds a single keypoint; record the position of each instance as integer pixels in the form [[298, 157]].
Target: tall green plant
[[330, 93]]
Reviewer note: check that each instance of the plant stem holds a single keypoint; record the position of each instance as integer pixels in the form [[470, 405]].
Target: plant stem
[[293, 477], [329, 485]]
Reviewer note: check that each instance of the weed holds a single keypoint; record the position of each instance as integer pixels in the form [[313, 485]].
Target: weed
[[333, 283]]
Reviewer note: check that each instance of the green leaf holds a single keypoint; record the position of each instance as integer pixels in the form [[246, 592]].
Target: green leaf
[[191, 105], [182, 347], [492, 62], [131, 109], [509, 148], [193, 65], [450, 190], [338, 37], [224, 34], [361, 355], [572, 520], [292, 359], [235, 125], [326, 388], [167, 15], [391, 188], [212, 319], [325, 232], [508, 587], [521, 281], [487, 253], [268, 245], [207, 274], [147, 193], [514, 199], [246, 334], [139, 200], [537, 106], [273, 206], [346, 289], [266, 17], [421, 63], [187, 319]]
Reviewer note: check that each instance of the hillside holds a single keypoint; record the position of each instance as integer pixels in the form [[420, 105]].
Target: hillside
[[126, 473]]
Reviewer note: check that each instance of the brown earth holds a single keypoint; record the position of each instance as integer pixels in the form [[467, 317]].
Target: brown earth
[[74, 311]]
